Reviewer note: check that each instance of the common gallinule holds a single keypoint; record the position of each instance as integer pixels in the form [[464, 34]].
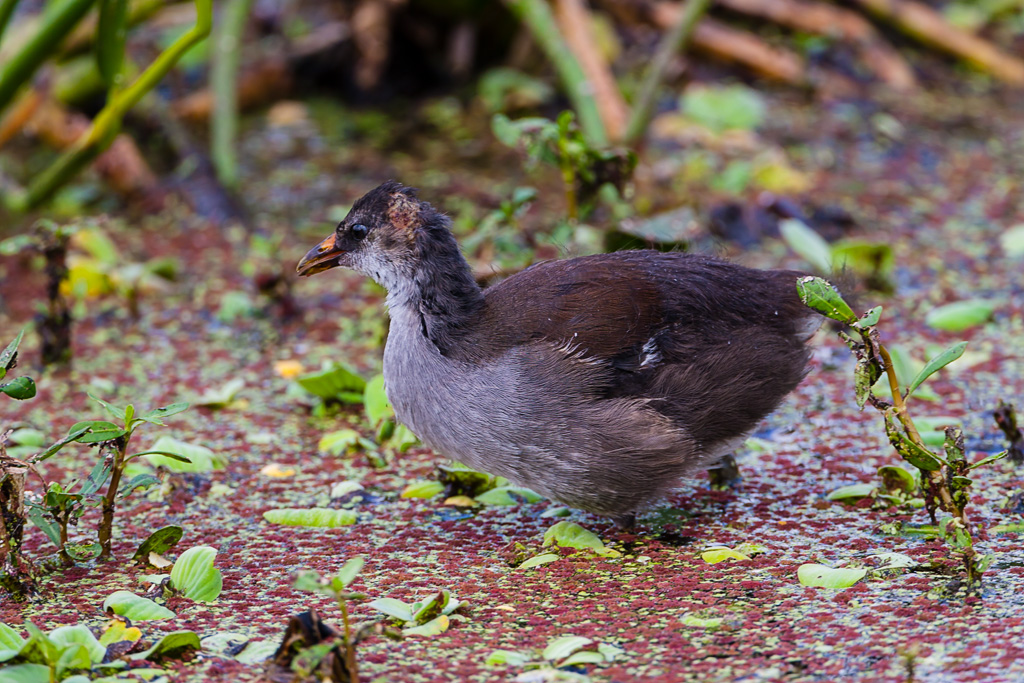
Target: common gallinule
[[596, 381]]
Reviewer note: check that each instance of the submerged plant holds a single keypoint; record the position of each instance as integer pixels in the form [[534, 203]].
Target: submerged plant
[[944, 480]]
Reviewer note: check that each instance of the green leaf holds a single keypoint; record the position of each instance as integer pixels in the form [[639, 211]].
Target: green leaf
[[350, 570], [507, 658], [135, 608], [393, 608], [117, 412], [538, 560], [722, 108], [937, 363], [97, 478], [852, 492], [25, 673], [201, 458], [64, 636], [311, 581], [257, 651], [11, 642], [159, 542], [171, 645], [507, 495], [73, 435], [38, 516], [821, 576], [339, 442], [911, 452], [571, 535], [111, 33], [807, 243], [870, 318], [20, 388], [8, 355], [580, 658], [1012, 242], [138, 481], [97, 431], [988, 461], [222, 396], [28, 437], [434, 627], [897, 480], [560, 648], [312, 517], [823, 297], [422, 489], [194, 575], [375, 401], [960, 315], [894, 561], [716, 555], [1011, 528], [336, 381], [166, 411]]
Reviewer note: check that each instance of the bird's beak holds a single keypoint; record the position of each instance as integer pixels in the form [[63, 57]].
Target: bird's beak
[[323, 256]]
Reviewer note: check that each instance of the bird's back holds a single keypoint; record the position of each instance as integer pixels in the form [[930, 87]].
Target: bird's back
[[715, 346]]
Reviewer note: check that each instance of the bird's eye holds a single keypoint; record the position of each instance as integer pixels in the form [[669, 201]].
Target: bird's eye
[[359, 231]]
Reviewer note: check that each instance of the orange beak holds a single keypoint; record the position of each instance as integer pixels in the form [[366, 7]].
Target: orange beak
[[323, 256]]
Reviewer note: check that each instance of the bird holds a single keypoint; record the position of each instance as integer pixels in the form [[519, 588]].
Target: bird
[[599, 382]]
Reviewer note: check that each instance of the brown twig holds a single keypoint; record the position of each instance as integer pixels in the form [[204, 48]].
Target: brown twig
[[821, 19], [929, 27], [732, 45]]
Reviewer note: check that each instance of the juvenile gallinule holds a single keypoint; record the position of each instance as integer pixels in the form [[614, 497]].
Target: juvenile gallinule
[[596, 381]]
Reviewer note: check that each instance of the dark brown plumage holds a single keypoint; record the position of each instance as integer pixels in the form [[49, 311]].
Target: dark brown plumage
[[596, 381]]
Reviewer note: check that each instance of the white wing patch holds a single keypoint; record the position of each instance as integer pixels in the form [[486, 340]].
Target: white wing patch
[[650, 354]]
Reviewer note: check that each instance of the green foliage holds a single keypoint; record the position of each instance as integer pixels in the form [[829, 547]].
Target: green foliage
[[571, 535], [560, 143], [66, 652], [135, 607], [57, 22], [557, 655], [822, 576], [20, 388], [426, 617], [63, 505], [960, 315], [505, 89], [943, 481], [313, 517], [722, 108], [195, 576]]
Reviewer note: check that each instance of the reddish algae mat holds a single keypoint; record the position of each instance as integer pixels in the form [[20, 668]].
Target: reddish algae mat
[[943, 200]]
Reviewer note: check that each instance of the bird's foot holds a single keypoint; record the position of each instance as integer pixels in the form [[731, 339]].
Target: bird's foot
[[725, 474]]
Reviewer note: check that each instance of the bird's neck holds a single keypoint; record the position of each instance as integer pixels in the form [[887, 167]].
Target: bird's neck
[[441, 296]]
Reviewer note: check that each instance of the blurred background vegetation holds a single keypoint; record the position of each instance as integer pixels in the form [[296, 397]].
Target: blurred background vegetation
[[542, 127]]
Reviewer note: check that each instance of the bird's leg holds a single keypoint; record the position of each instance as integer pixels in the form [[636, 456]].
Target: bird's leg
[[725, 474], [625, 522]]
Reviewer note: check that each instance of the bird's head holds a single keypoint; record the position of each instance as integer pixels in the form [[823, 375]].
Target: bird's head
[[378, 236]]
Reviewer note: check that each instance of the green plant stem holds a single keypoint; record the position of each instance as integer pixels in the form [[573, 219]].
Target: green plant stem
[[936, 477], [57, 23], [672, 44], [106, 528], [6, 10], [536, 14], [350, 647], [107, 123], [569, 180], [224, 83]]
